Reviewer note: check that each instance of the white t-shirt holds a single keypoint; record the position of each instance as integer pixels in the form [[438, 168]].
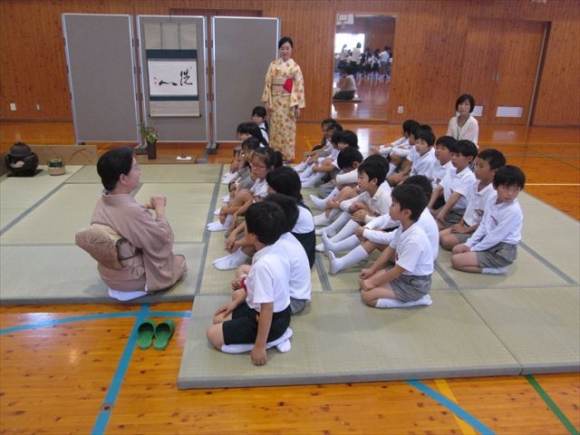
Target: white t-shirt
[[413, 251], [268, 279], [462, 183], [300, 282], [476, 204]]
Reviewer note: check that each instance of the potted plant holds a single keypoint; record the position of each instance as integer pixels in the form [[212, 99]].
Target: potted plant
[[150, 135]]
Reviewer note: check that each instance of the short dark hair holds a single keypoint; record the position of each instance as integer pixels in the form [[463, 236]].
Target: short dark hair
[[348, 137], [509, 175], [410, 197], [421, 181], [466, 148], [374, 169], [347, 156], [253, 129], [495, 158], [113, 164], [288, 206], [286, 181], [446, 141], [266, 221], [259, 111], [410, 125], [426, 135], [466, 97], [251, 143], [285, 39]]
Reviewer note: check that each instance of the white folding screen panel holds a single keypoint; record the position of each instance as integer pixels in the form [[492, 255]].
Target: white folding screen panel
[[242, 49], [173, 60], [102, 77]]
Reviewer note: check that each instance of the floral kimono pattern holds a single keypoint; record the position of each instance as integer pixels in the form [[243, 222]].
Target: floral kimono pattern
[[282, 101]]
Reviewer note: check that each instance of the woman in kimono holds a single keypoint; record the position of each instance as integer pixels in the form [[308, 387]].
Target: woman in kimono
[[148, 264], [284, 97]]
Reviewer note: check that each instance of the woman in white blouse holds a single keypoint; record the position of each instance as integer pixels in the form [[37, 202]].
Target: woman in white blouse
[[464, 125]]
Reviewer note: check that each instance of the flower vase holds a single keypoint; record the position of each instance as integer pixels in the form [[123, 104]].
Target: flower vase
[[152, 150]]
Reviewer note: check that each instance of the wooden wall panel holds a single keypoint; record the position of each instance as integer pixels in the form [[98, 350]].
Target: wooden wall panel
[[558, 101], [429, 43]]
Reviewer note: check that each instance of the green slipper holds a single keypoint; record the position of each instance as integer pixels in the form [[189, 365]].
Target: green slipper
[[145, 333], [163, 332]]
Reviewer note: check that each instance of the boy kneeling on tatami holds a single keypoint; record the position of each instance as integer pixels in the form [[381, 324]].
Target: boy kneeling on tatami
[[259, 312]]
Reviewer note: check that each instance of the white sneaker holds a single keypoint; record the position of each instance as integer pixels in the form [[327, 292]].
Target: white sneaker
[[320, 204], [319, 247], [217, 211]]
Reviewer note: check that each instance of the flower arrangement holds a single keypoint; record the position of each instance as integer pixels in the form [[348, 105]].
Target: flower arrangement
[[149, 133]]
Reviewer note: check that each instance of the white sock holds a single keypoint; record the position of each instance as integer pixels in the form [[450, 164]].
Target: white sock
[[306, 173], [393, 303], [311, 181], [495, 270], [323, 220], [319, 203], [338, 223], [126, 296], [337, 264], [242, 348], [342, 245], [301, 166], [347, 230]]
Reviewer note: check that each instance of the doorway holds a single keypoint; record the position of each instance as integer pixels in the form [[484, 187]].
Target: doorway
[[374, 33], [501, 66]]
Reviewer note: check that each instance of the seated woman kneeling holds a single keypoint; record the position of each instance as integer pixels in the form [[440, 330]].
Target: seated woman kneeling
[[346, 85], [143, 243]]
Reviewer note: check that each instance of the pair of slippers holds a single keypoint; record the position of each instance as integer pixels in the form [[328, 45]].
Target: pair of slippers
[[162, 332]]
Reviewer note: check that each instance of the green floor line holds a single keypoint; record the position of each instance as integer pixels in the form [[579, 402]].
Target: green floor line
[[563, 419]]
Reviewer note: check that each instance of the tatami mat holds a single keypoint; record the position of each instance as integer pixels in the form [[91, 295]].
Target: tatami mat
[[540, 326], [341, 340], [527, 271], [160, 173], [66, 274], [552, 235], [57, 219], [18, 194]]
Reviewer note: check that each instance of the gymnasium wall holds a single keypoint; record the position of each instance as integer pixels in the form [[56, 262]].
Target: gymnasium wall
[[429, 45]]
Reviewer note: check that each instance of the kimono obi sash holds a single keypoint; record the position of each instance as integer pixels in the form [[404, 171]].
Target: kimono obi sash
[[282, 85]]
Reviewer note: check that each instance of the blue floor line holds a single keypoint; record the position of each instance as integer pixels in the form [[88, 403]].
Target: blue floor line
[[117, 381], [63, 321], [19, 328], [453, 407]]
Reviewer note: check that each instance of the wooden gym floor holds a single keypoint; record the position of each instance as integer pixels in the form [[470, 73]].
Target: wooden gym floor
[[68, 369]]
